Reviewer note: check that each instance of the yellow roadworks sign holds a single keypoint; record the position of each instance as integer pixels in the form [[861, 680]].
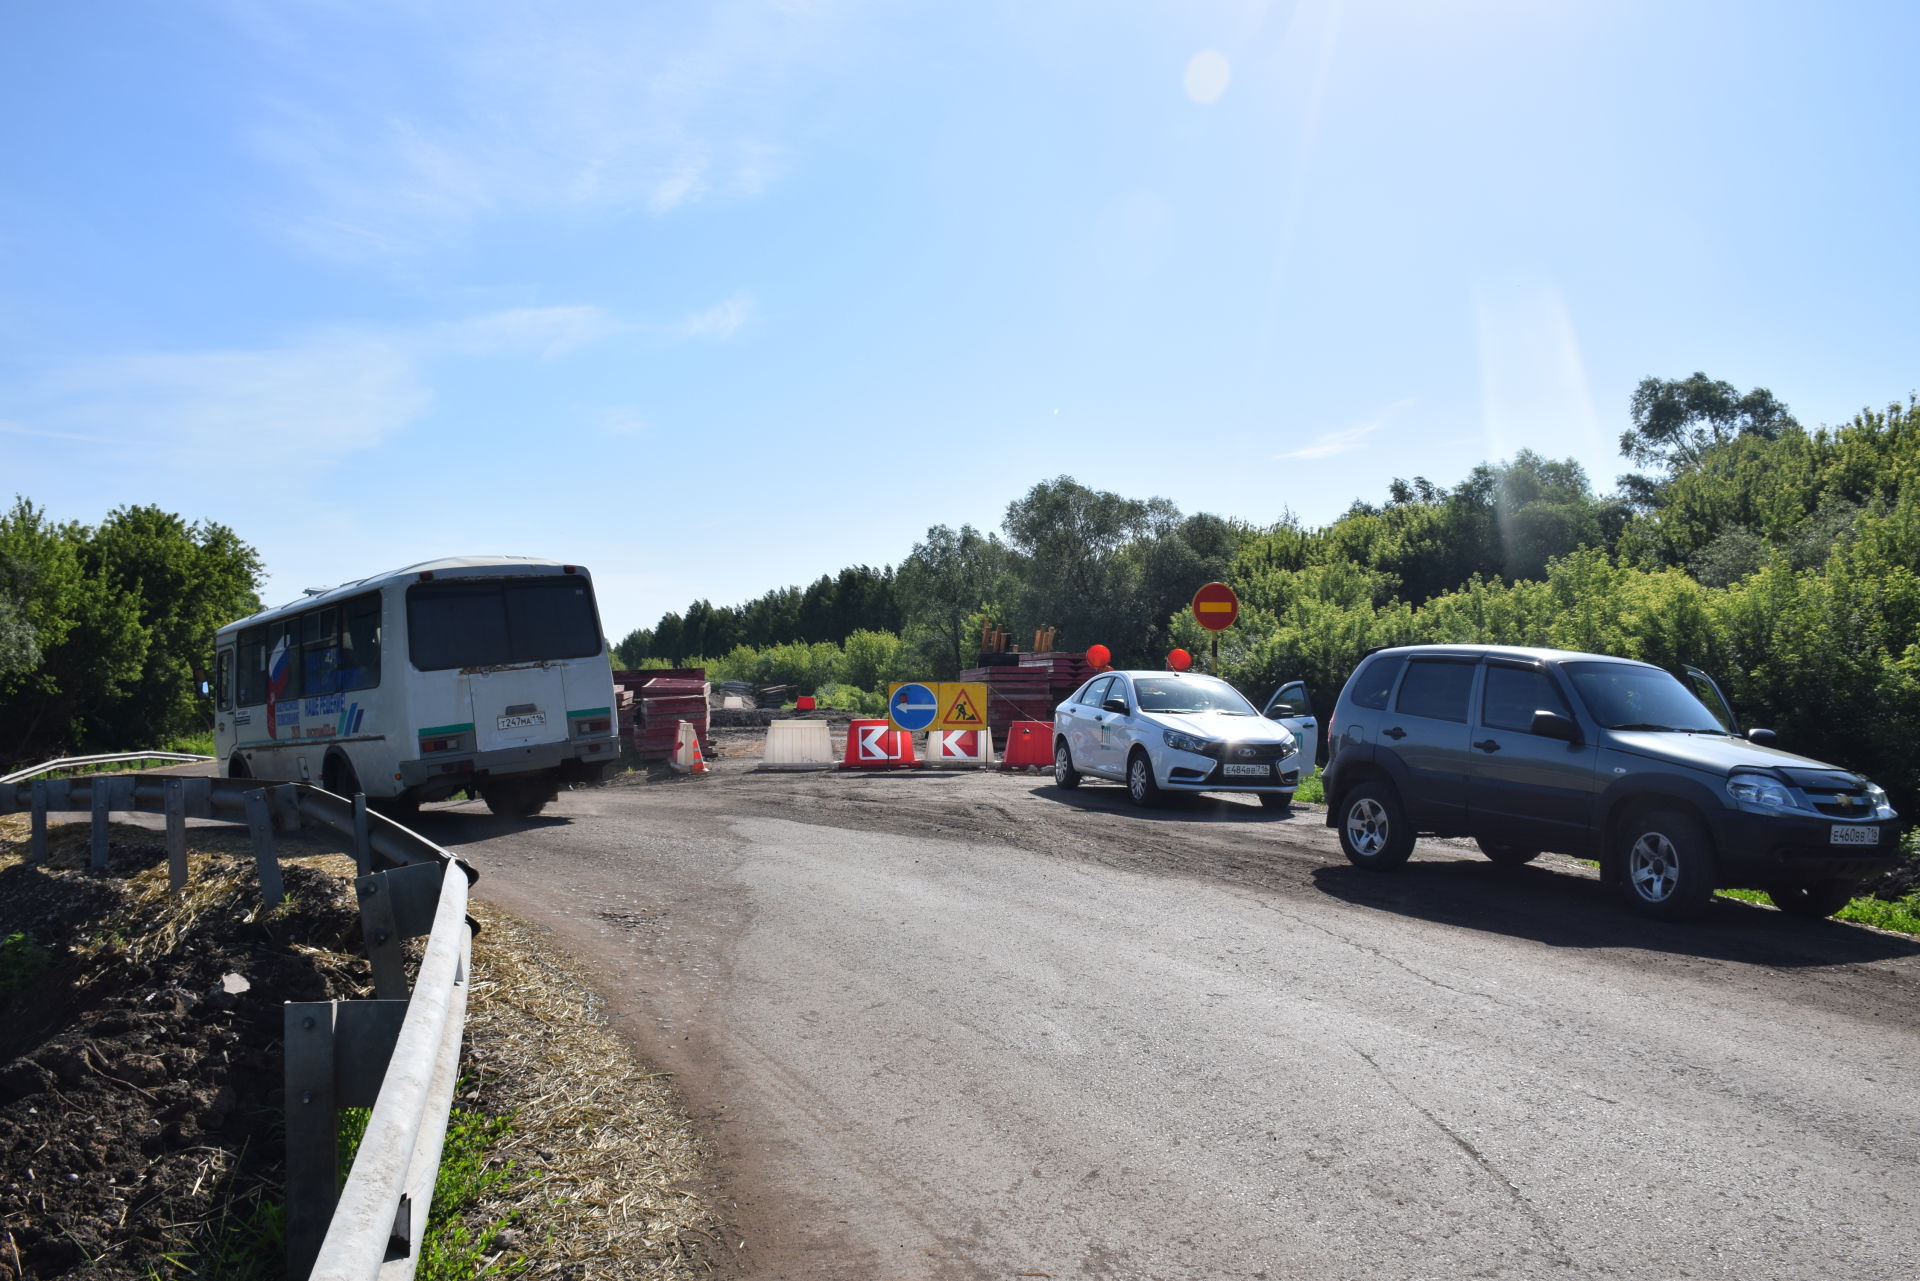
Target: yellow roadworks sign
[[963, 705]]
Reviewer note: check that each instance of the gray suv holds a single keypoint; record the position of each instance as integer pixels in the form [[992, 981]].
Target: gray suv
[[1528, 750]]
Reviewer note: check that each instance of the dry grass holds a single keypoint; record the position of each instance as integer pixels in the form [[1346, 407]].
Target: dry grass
[[622, 1171]]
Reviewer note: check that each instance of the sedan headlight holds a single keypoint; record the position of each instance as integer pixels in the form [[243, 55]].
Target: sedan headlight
[[1760, 792], [1188, 743]]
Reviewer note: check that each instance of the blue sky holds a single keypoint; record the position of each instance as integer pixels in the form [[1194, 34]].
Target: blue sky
[[714, 298]]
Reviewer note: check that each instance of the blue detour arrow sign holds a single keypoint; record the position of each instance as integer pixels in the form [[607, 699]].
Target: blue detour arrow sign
[[913, 706]]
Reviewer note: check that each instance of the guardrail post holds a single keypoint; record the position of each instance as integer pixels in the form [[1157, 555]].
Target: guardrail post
[[266, 854], [37, 849], [102, 797], [337, 1056], [362, 840], [313, 1132], [284, 800], [384, 942], [176, 796]]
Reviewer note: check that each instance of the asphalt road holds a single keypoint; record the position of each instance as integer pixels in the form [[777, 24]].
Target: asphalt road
[[973, 1026]]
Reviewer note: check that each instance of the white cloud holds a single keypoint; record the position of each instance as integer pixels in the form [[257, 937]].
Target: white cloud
[[623, 422], [320, 397], [327, 396], [1346, 439], [488, 109], [720, 321], [546, 332]]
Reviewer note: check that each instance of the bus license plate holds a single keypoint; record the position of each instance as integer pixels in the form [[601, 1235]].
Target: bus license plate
[[522, 722], [1249, 771], [1853, 834]]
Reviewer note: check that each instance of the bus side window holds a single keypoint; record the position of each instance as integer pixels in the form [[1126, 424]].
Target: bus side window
[[250, 683], [223, 680], [320, 651], [283, 660], [360, 644]]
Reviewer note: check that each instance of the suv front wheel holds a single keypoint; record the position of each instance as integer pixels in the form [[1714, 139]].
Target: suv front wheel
[[1814, 902], [1666, 865], [1374, 829]]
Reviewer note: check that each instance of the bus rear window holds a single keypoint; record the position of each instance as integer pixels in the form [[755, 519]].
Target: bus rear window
[[491, 624]]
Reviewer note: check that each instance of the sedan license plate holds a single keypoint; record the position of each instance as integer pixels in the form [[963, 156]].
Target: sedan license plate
[[1247, 771], [1854, 834], [522, 722]]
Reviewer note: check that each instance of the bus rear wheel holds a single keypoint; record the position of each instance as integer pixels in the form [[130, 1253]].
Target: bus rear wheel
[[516, 800], [339, 777]]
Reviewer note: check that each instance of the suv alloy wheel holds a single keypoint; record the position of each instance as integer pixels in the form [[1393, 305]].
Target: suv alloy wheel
[[1374, 829], [1666, 864]]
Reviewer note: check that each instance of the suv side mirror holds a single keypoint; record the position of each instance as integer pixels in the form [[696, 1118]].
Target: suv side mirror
[[1115, 704], [1554, 725], [1761, 737]]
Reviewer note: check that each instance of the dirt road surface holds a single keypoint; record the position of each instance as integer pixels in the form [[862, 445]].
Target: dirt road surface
[[973, 1026]]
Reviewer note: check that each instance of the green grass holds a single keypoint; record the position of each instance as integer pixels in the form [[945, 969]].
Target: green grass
[[1312, 790], [22, 962], [197, 744], [1901, 915], [451, 1250]]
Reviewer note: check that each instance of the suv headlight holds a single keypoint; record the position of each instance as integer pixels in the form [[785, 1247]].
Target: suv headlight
[[1188, 743], [1760, 792], [1876, 796]]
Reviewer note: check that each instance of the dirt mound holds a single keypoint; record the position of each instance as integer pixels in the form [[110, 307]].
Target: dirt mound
[[140, 1070]]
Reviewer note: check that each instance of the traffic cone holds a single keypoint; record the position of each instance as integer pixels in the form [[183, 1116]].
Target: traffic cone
[[699, 761]]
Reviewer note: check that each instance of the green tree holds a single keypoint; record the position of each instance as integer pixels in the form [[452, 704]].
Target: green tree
[[943, 583], [1676, 421]]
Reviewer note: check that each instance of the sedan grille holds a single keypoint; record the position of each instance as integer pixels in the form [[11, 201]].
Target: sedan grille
[[1253, 753]]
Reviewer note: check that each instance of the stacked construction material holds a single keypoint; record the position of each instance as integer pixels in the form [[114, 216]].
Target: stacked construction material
[[1014, 693], [653, 704], [1066, 672]]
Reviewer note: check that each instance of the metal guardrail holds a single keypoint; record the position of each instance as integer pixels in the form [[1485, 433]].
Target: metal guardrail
[[397, 1054], [111, 758]]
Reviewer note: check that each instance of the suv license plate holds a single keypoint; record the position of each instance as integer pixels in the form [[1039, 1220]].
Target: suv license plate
[[1851, 834], [538, 718], [1249, 771]]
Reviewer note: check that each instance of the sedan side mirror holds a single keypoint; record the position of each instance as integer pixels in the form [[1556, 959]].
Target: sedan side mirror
[[1761, 737], [1115, 705], [1554, 725]]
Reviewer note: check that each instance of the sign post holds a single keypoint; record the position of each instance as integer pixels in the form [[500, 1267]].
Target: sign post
[[1215, 607]]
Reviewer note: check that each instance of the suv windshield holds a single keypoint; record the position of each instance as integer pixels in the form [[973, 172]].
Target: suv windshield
[[1190, 694], [1624, 696]]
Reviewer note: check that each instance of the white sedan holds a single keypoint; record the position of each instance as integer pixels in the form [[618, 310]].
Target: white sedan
[[1161, 732]]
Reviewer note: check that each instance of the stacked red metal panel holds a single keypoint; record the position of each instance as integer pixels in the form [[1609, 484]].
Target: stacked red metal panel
[[653, 703]]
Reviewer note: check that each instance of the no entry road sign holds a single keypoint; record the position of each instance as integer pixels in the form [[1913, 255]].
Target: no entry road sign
[[1215, 607]]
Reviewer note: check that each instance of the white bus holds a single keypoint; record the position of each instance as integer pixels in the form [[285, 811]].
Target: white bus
[[487, 673]]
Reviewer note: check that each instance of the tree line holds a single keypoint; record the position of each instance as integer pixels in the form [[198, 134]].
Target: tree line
[[104, 629], [1780, 559]]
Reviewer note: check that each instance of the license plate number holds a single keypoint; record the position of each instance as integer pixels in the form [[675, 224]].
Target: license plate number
[[522, 722], [1845, 834], [1247, 771]]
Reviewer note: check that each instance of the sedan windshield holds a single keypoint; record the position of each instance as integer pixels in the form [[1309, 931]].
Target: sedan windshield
[[1625, 696], [1190, 694]]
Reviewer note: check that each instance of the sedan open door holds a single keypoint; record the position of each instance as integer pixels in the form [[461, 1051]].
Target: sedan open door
[[1291, 707]]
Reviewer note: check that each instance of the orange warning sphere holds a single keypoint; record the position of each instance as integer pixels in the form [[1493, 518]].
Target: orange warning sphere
[[1098, 656], [1179, 660]]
